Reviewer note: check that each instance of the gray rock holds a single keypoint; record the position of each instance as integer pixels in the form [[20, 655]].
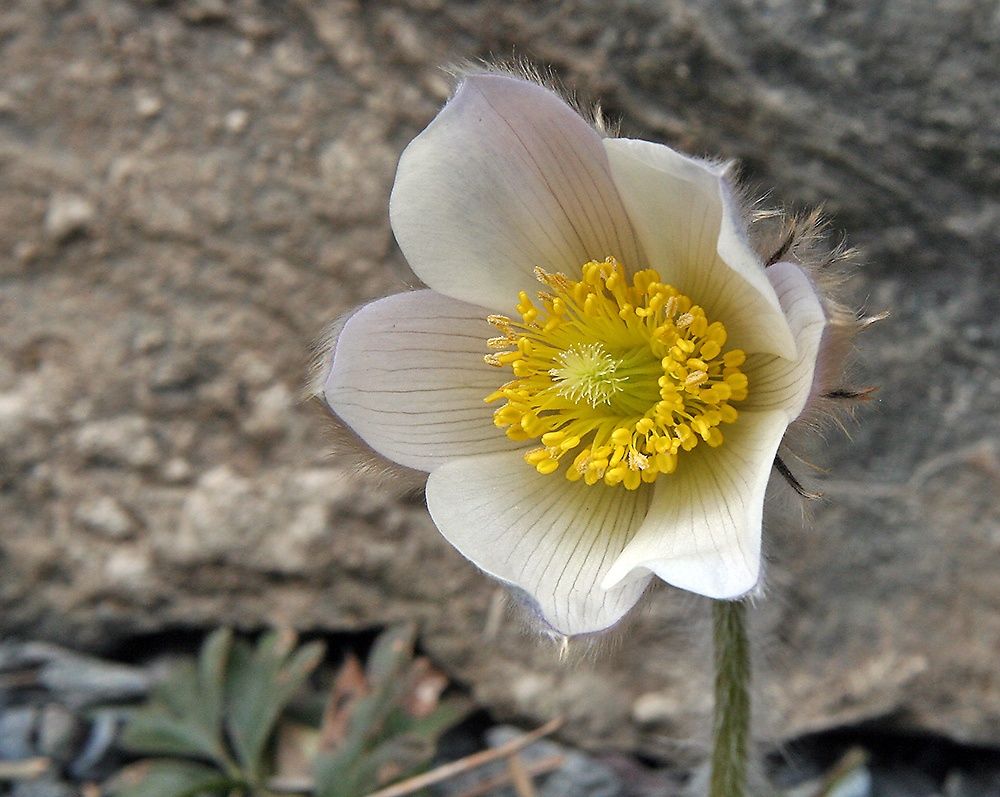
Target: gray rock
[[579, 775], [104, 731], [67, 214], [43, 788], [17, 729], [59, 733], [121, 441], [74, 679], [105, 516]]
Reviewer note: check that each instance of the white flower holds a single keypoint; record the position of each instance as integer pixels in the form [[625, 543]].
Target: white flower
[[645, 363]]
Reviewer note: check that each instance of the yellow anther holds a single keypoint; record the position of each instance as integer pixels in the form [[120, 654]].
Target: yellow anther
[[722, 391], [695, 378], [552, 439], [536, 455], [666, 463], [620, 375], [621, 437], [734, 358], [710, 350], [615, 476]]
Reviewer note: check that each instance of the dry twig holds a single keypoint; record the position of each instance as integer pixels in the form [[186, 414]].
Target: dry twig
[[473, 761]]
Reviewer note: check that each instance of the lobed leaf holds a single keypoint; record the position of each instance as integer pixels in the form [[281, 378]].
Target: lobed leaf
[[164, 778]]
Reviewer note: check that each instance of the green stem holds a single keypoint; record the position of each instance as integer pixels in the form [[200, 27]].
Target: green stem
[[732, 700]]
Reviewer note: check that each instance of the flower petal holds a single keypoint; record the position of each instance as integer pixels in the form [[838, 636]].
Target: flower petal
[[408, 376], [552, 538], [777, 383], [506, 178], [703, 529], [687, 225]]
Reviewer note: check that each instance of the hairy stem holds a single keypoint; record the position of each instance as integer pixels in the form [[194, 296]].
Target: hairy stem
[[732, 700]]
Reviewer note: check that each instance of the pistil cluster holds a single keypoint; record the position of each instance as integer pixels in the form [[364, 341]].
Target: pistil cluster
[[621, 376]]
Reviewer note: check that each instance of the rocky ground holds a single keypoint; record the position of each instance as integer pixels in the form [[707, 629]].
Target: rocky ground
[[192, 190]]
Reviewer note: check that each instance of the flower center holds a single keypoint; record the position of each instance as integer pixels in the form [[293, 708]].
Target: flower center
[[623, 376], [586, 372]]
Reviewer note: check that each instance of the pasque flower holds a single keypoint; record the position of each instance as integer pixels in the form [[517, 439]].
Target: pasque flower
[[603, 368]]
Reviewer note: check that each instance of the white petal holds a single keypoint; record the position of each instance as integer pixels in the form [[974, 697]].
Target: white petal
[[408, 376], [507, 177], [777, 383], [686, 223], [552, 538], [703, 529]]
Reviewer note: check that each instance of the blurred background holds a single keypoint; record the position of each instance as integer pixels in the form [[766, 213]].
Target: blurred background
[[191, 190]]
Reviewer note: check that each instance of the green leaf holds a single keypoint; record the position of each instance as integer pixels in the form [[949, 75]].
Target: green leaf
[[179, 693], [336, 775], [340, 774], [260, 685], [448, 713], [171, 779], [212, 665], [391, 653], [153, 731], [184, 713]]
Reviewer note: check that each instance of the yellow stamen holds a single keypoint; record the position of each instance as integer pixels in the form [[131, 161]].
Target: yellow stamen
[[624, 376]]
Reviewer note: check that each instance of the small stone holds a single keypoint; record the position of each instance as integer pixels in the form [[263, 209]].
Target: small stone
[[270, 413], [176, 470], [654, 707], [59, 732], [129, 567], [105, 516], [25, 252], [356, 177], [163, 213], [148, 105], [147, 341], [236, 120], [67, 214], [212, 519], [203, 11], [17, 727], [43, 788], [125, 440]]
